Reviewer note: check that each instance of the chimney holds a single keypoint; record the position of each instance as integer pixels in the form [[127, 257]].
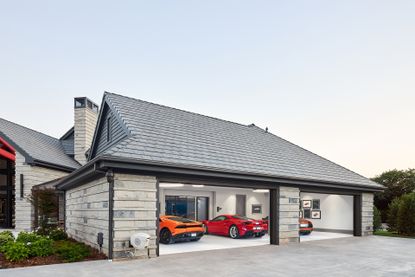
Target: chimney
[[86, 115]]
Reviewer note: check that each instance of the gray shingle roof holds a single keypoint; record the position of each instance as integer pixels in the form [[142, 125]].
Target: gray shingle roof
[[181, 138], [35, 145]]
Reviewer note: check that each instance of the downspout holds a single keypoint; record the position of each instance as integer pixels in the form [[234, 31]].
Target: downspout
[[110, 180]]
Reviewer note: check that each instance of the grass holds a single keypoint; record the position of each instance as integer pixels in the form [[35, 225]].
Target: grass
[[391, 234]]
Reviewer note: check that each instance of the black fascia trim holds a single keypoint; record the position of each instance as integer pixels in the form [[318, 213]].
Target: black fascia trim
[[103, 163], [67, 134], [51, 165], [157, 168], [80, 176], [97, 127], [338, 191]]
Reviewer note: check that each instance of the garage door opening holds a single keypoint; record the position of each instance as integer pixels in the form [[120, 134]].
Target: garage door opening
[[211, 217], [330, 214]]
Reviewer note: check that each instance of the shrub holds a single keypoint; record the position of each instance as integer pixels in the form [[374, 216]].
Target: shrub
[[406, 215], [26, 237], [7, 233], [15, 251], [71, 251], [393, 214], [41, 247], [58, 234], [5, 237], [377, 219]]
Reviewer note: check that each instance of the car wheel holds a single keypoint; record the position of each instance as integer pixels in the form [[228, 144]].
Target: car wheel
[[205, 228], [234, 232], [165, 236]]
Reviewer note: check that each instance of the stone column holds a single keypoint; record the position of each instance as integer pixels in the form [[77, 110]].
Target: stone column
[[135, 211], [367, 214], [289, 212]]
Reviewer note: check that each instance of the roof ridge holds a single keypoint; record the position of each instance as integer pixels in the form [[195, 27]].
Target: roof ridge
[[194, 113], [20, 125]]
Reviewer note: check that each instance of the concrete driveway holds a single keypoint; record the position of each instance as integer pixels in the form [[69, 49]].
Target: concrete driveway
[[371, 256]]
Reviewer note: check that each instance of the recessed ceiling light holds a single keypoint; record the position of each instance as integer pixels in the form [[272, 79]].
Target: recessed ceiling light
[[261, 190], [171, 185], [198, 186]]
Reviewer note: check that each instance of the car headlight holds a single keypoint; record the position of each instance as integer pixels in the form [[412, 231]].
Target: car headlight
[[304, 225]]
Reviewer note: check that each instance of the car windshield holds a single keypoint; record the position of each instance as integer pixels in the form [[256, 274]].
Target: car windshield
[[180, 219], [241, 217]]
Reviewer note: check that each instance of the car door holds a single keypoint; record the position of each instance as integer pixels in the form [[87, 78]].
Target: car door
[[215, 225]]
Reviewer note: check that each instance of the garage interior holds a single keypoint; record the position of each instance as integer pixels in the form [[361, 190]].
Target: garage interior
[[203, 202], [332, 215]]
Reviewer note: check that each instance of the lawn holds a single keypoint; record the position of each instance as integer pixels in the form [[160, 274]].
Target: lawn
[[391, 234]]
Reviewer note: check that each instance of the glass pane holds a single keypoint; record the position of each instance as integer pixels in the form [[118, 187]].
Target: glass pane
[[191, 209], [202, 208], [3, 164], [3, 180]]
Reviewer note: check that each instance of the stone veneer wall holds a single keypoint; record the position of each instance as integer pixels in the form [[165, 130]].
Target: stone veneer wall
[[367, 214], [135, 211], [289, 209], [32, 175], [87, 212]]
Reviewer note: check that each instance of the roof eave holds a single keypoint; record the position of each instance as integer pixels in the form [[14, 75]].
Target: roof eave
[[102, 163], [51, 165]]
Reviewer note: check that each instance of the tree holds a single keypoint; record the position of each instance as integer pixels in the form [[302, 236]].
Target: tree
[[377, 221], [46, 206], [406, 215], [397, 183], [393, 210]]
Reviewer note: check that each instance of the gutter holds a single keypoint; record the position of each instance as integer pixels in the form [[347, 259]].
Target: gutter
[[110, 180]]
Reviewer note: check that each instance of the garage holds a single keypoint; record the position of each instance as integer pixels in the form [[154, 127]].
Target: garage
[[147, 161], [331, 215], [209, 205]]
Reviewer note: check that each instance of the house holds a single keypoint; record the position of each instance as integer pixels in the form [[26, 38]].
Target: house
[[145, 160], [29, 158]]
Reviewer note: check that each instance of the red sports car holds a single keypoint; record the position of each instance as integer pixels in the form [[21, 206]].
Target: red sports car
[[234, 226], [306, 226]]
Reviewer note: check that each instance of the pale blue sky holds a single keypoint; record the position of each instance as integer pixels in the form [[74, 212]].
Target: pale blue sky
[[336, 77]]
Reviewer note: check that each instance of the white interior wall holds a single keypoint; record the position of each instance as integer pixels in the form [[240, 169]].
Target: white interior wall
[[336, 211], [222, 197]]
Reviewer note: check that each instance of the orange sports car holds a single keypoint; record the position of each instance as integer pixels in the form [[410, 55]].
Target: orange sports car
[[175, 228]]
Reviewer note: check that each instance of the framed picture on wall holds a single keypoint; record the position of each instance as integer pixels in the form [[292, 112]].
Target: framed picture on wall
[[256, 208], [316, 204], [306, 204], [307, 213], [316, 214]]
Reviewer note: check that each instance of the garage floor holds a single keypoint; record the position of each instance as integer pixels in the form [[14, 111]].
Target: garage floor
[[315, 235], [211, 242]]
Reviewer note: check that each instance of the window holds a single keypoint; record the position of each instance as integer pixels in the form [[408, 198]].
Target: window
[[307, 213], [80, 102], [219, 218], [109, 135]]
